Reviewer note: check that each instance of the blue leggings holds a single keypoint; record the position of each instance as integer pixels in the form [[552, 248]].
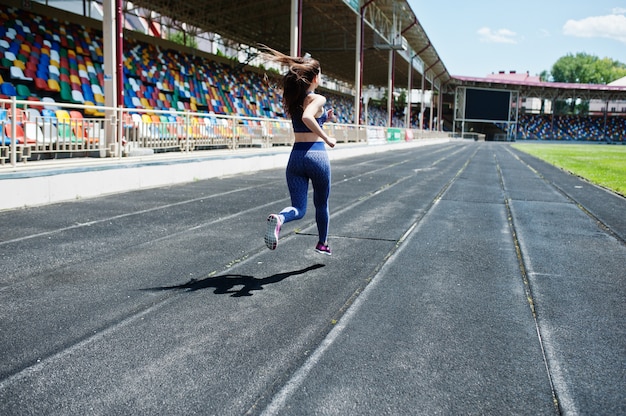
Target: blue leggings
[[309, 161]]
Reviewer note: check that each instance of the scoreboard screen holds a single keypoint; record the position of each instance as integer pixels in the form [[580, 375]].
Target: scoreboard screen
[[487, 105]]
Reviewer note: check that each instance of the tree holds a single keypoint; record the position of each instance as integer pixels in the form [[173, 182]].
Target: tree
[[586, 69], [582, 68], [183, 38]]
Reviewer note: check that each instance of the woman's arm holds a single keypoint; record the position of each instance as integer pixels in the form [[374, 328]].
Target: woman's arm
[[308, 118]]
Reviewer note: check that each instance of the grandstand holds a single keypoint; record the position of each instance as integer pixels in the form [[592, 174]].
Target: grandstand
[[52, 94], [162, 81], [581, 128]]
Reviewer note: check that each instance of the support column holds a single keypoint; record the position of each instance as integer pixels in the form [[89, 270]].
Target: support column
[[296, 23], [421, 116], [392, 55], [439, 111], [110, 44], [605, 134], [358, 69], [430, 118], [407, 117]]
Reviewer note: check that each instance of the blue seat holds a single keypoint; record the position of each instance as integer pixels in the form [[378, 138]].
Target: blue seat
[[88, 93], [49, 115], [15, 47], [4, 139], [8, 89]]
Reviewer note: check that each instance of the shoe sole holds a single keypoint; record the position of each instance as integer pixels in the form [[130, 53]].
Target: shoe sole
[[324, 252], [271, 233]]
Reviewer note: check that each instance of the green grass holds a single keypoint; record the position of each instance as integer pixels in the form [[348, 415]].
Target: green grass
[[600, 164]]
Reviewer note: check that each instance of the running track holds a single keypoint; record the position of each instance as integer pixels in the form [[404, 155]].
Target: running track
[[466, 278]]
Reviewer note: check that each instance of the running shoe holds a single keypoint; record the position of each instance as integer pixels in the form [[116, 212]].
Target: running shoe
[[272, 231], [323, 249]]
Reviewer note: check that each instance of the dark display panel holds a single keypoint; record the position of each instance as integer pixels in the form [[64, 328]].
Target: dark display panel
[[487, 105]]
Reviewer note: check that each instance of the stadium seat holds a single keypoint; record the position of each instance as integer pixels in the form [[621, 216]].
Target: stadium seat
[[66, 92], [19, 134], [33, 133], [77, 97], [32, 114], [23, 92], [79, 127], [41, 84], [35, 102], [64, 127], [9, 55], [53, 85], [50, 103], [8, 89], [19, 64], [91, 111], [96, 89]]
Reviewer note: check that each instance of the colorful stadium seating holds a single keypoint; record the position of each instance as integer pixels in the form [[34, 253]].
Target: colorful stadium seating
[[58, 61]]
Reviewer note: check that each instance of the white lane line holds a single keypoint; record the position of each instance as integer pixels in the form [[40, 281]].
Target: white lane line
[[125, 215], [298, 378]]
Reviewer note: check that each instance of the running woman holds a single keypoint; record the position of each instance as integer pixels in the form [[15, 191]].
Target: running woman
[[308, 160]]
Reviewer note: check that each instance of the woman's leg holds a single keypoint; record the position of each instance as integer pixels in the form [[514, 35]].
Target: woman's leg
[[298, 184], [320, 178]]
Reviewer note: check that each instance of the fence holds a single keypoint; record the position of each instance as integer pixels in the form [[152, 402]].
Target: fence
[[38, 130]]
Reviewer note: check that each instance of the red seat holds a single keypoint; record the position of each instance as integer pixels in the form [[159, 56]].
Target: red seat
[[38, 107], [19, 134], [41, 84]]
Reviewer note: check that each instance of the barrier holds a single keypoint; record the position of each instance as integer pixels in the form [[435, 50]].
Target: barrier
[[38, 130]]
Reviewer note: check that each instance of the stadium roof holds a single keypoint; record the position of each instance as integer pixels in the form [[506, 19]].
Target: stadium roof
[[530, 87], [329, 31]]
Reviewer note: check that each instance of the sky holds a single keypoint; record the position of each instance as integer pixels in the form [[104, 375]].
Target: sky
[[477, 38]]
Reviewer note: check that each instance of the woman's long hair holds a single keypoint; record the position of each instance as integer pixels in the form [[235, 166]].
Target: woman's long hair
[[296, 81]]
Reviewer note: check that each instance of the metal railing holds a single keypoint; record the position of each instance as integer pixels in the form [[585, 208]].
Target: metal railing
[[39, 130]]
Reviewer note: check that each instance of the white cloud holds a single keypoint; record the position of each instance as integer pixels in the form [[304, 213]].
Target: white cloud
[[612, 26], [496, 36]]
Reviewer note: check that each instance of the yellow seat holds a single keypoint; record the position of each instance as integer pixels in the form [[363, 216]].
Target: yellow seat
[[19, 64], [54, 85], [93, 111], [62, 115], [145, 103]]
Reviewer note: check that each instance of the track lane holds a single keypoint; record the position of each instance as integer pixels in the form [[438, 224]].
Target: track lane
[[444, 327], [573, 253], [80, 288]]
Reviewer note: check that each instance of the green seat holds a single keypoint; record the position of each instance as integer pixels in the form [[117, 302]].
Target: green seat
[[66, 135], [23, 92], [66, 91]]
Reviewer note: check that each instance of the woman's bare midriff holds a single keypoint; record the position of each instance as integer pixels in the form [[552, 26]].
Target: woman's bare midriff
[[307, 137]]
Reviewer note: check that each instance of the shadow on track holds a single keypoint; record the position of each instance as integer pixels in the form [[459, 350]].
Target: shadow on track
[[226, 283]]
